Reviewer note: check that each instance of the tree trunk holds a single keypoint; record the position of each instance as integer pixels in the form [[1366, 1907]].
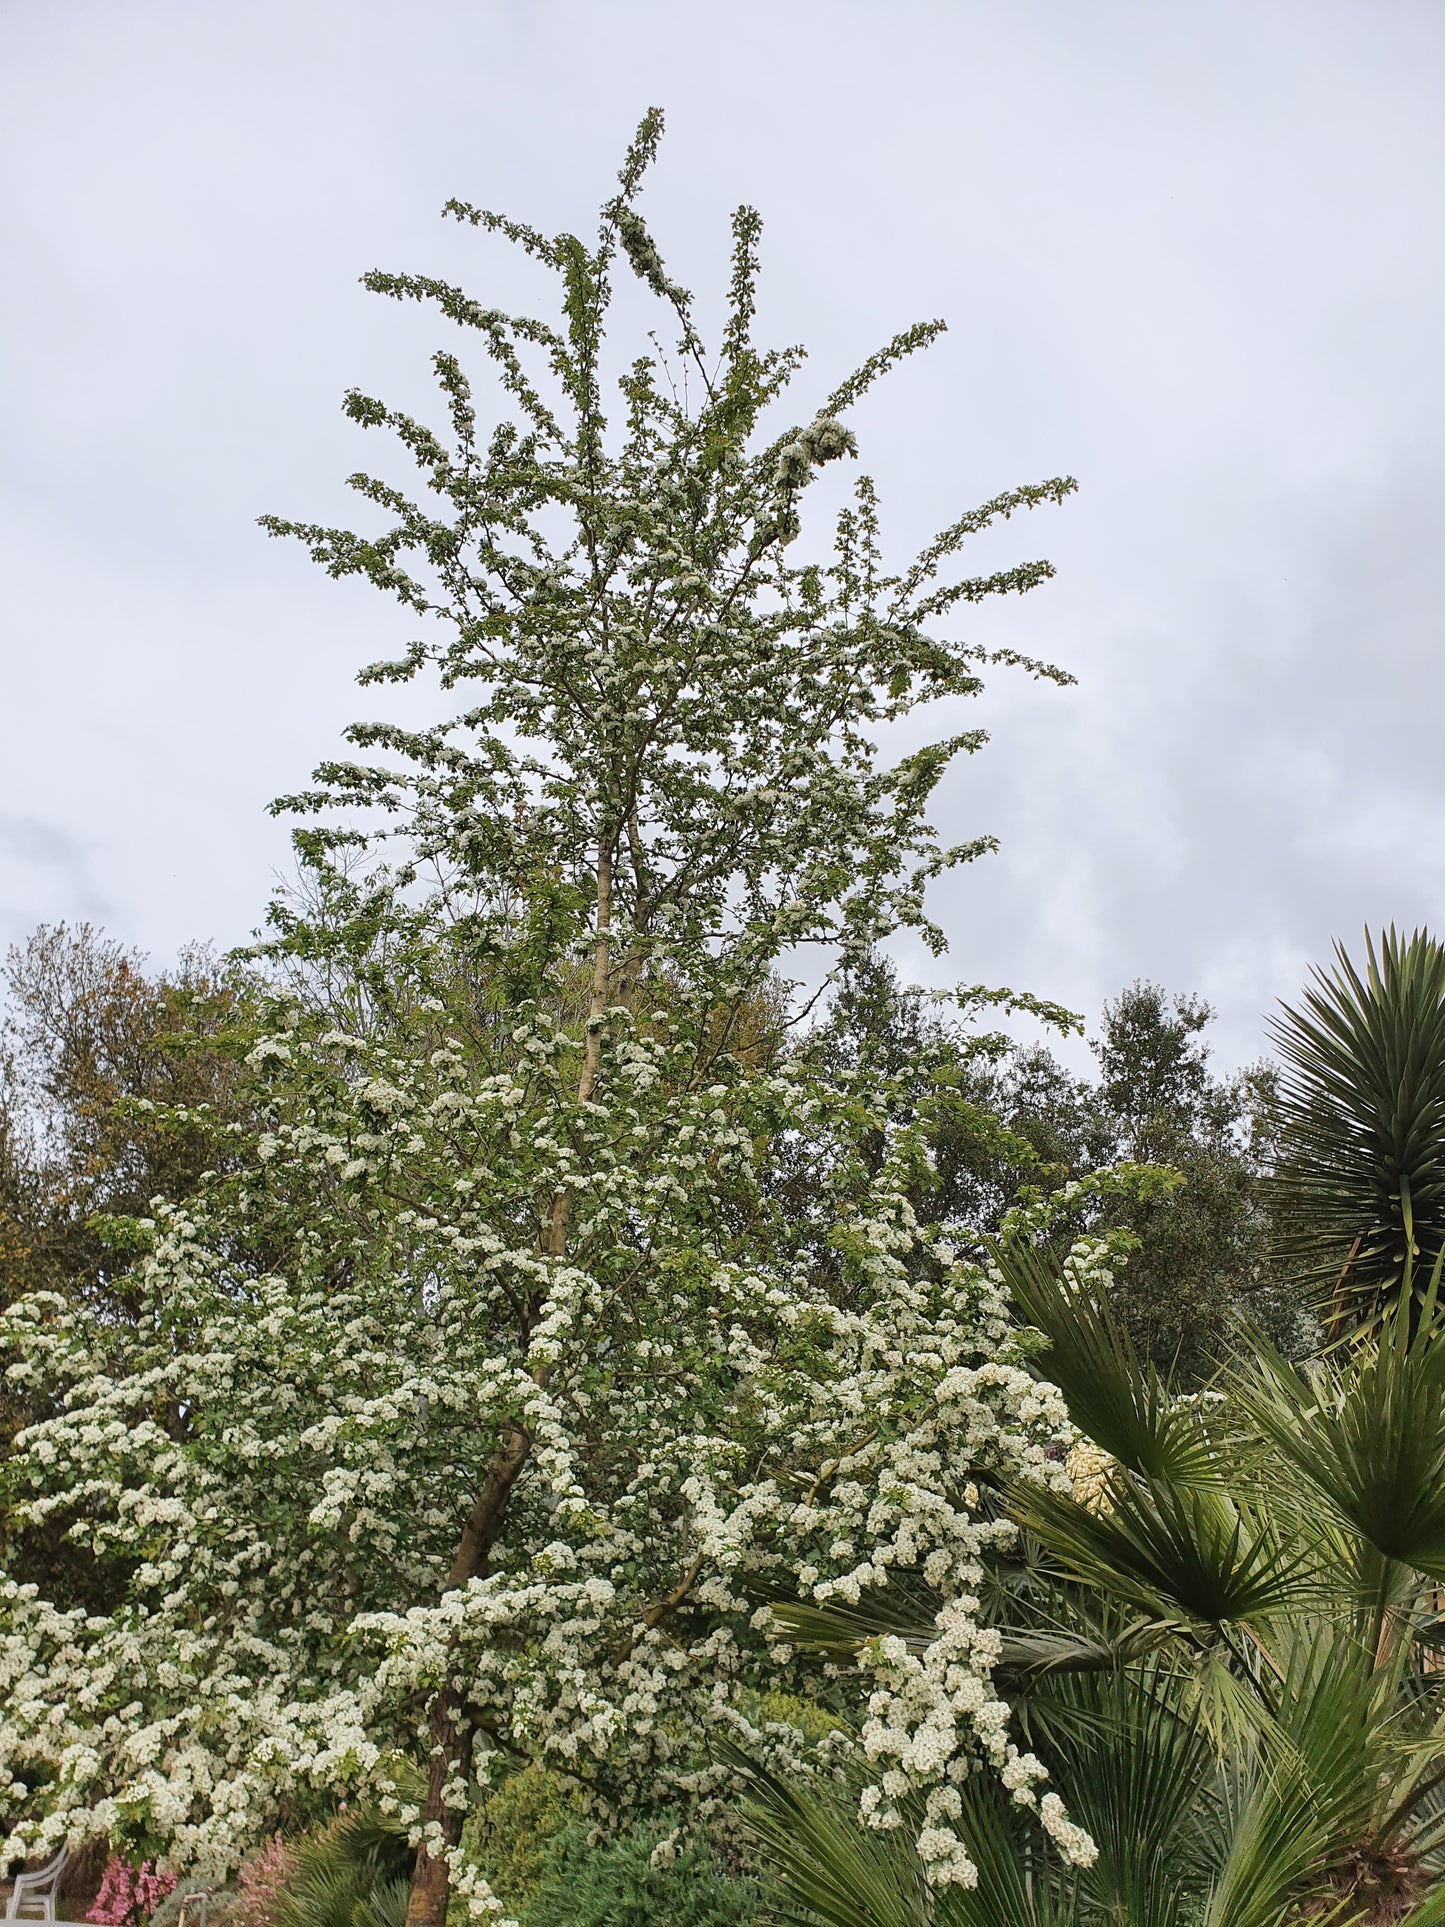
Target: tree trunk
[[451, 1732], [451, 1751]]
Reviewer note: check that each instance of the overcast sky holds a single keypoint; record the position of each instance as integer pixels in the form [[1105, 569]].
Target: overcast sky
[[1191, 254]]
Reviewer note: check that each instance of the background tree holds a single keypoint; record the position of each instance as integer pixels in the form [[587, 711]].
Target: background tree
[[1203, 1252], [116, 1086], [1010, 1121]]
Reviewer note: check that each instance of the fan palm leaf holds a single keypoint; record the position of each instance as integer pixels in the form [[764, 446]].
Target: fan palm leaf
[[1367, 1436], [1114, 1397], [1176, 1553], [826, 1867], [1134, 1766], [1025, 1656]]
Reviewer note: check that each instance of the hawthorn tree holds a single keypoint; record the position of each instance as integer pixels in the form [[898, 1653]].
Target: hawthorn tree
[[478, 1417]]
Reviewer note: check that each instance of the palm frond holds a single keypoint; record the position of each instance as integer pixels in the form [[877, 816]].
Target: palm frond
[[843, 1630], [827, 1867], [1310, 1804], [384, 1906], [1429, 1913], [1114, 1397], [1368, 1434], [1275, 1844], [1024, 1655], [1172, 1552], [1135, 1769]]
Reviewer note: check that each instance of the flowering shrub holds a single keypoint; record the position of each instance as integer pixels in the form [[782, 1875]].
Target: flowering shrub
[[128, 1896], [482, 1414], [261, 1879], [739, 1428]]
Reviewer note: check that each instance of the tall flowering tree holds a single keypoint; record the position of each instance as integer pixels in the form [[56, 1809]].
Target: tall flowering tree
[[478, 1418]]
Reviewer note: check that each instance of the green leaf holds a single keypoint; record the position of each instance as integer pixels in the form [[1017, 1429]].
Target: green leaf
[[1297, 1810], [830, 1868], [1114, 1397], [1171, 1551]]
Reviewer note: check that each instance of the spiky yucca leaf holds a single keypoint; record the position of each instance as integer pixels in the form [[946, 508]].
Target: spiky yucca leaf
[[1360, 1183]]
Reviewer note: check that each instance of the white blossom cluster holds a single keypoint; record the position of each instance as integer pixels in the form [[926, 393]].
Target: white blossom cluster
[[270, 1473]]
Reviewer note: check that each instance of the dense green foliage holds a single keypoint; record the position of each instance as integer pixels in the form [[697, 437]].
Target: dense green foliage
[[639, 1879], [354, 1873], [1010, 1121]]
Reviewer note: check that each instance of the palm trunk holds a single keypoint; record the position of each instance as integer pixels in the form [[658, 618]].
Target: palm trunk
[[451, 1731]]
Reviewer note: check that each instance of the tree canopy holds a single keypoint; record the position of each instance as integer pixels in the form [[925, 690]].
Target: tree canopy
[[475, 1414]]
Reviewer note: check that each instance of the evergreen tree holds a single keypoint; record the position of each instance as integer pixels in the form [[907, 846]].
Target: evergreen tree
[[1009, 1121]]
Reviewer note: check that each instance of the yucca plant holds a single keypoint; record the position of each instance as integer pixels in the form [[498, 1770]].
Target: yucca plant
[[1359, 1186]]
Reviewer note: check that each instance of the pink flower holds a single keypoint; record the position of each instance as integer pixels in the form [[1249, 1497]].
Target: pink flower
[[261, 1880], [128, 1897]]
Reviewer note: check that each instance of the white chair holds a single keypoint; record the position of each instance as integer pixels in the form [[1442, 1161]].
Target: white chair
[[33, 1895]]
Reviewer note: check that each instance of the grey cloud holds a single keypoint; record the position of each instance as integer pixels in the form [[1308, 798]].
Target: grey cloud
[[45, 874], [1194, 255]]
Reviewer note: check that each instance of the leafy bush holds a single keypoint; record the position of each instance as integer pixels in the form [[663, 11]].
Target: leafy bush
[[641, 1879], [512, 1832]]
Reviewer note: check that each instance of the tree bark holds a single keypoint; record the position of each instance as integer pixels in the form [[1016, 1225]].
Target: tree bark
[[451, 1732], [451, 1747]]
